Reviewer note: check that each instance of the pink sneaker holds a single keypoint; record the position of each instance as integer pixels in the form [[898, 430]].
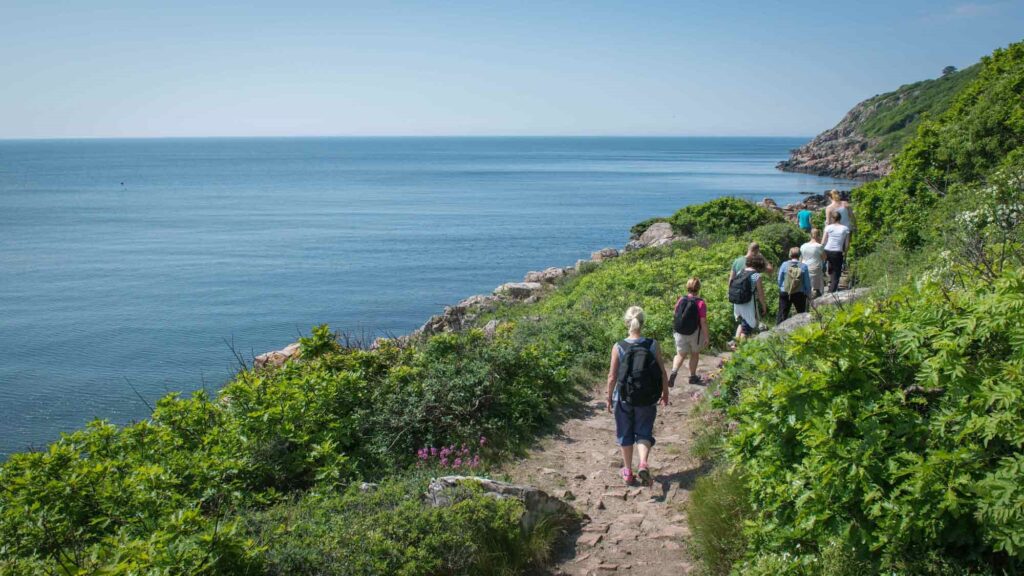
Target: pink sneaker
[[645, 475], [627, 476]]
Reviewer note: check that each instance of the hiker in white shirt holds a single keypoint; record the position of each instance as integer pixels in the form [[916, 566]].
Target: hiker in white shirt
[[837, 242], [813, 254]]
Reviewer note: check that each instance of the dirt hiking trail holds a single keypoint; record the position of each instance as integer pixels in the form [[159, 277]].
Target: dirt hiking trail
[[633, 530]]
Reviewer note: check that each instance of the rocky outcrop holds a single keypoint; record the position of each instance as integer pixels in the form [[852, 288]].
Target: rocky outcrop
[[862, 144], [538, 504], [604, 254], [460, 316], [798, 321], [844, 151], [548, 275], [813, 202], [518, 290], [276, 357], [657, 234], [840, 152]]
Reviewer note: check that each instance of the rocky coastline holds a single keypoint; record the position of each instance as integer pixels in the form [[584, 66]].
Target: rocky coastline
[[844, 151], [535, 284]]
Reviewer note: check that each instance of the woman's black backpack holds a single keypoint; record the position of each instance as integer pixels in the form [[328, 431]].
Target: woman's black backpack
[[741, 289], [686, 320], [639, 379]]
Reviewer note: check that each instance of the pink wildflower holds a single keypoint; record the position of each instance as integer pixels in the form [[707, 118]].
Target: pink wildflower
[[457, 463], [483, 440]]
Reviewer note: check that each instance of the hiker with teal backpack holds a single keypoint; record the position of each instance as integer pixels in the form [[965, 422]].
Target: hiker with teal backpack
[[689, 330], [794, 285], [637, 380]]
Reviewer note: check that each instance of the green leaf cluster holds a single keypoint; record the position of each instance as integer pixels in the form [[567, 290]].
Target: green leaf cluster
[[390, 530], [722, 217], [894, 430]]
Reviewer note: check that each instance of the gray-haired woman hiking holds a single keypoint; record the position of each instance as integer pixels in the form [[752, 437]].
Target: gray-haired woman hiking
[[637, 380]]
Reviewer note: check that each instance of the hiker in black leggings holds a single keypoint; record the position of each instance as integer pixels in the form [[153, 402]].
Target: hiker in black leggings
[[837, 242]]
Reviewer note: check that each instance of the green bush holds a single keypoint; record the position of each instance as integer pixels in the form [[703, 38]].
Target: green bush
[[319, 342], [326, 421], [895, 429], [389, 530], [717, 510], [777, 239], [722, 217]]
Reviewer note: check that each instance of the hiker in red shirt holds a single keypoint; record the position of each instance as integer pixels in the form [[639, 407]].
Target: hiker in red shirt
[[690, 329]]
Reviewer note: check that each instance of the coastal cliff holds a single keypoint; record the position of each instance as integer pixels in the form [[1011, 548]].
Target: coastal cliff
[[862, 144]]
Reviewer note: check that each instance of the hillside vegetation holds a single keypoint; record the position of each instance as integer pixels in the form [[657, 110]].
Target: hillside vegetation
[[887, 438]]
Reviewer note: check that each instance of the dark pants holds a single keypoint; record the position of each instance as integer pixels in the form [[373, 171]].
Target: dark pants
[[799, 300], [835, 269]]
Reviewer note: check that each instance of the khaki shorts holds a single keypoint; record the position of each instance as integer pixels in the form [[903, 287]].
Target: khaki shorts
[[687, 343]]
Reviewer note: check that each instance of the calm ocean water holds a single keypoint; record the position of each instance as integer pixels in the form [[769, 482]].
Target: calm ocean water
[[252, 241]]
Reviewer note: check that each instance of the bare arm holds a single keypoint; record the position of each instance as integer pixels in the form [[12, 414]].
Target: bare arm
[[705, 335], [613, 371], [760, 295], [664, 378]]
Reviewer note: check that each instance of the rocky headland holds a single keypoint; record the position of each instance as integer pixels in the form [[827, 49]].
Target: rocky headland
[[861, 146]]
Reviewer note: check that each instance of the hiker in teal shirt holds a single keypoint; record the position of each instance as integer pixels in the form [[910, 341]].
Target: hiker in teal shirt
[[804, 217]]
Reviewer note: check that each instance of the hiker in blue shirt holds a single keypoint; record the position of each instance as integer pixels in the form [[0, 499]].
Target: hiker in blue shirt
[[804, 218], [794, 285]]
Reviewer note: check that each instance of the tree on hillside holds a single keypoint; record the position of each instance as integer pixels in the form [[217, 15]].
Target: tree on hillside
[[948, 70]]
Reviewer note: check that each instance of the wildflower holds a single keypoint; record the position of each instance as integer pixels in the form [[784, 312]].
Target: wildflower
[[457, 463], [433, 451], [444, 462], [483, 440], [476, 461]]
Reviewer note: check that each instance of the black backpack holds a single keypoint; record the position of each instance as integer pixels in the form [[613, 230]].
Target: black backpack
[[639, 379], [741, 289], [687, 316]]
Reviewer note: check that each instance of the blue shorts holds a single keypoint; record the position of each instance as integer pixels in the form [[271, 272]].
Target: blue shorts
[[634, 423]]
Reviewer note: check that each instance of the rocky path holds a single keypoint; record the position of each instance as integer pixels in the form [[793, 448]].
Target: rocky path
[[633, 530]]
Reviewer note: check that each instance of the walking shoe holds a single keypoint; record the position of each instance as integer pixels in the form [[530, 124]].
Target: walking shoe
[[672, 379], [627, 476], [695, 379], [645, 475]]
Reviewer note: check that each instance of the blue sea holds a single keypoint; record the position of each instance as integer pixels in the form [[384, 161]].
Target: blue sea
[[141, 263]]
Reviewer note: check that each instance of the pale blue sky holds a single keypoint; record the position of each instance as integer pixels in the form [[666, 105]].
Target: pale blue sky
[[99, 68]]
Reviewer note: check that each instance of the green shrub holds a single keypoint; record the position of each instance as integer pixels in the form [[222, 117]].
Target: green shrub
[[722, 217], [777, 239], [319, 342], [390, 530], [894, 431], [716, 511], [326, 421]]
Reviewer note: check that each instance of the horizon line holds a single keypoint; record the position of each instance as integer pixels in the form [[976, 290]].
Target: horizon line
[[387, 136]]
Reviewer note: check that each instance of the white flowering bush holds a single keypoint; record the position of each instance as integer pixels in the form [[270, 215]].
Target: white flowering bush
[[983, 228]]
